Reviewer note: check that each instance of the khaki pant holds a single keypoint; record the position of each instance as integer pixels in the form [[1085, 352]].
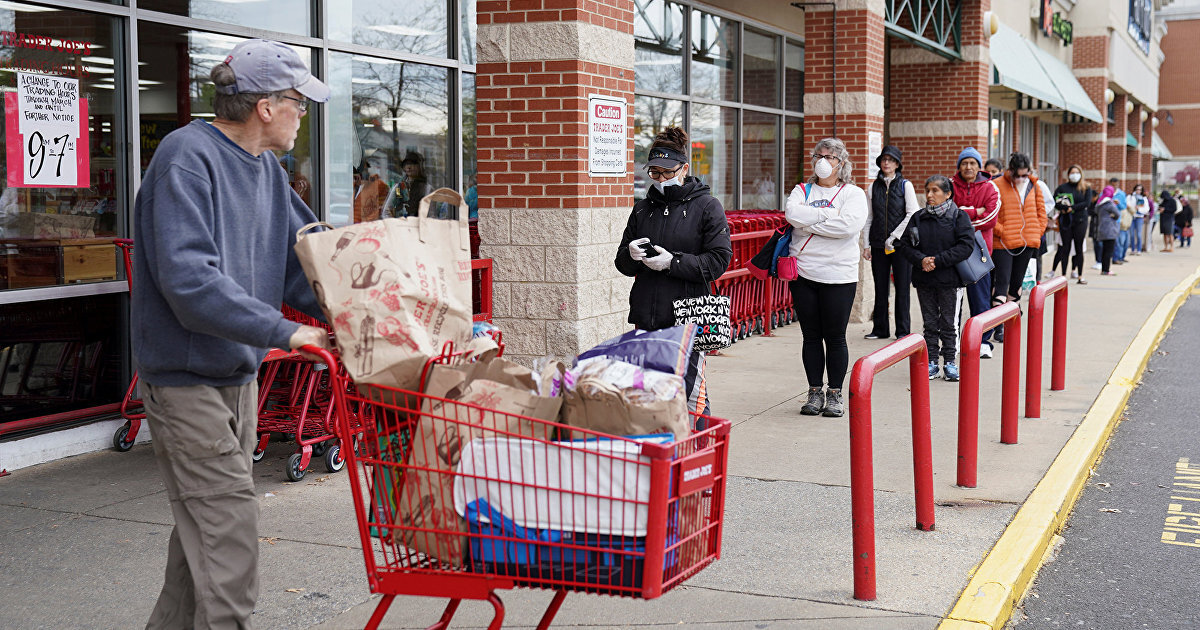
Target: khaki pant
[[203, 440]]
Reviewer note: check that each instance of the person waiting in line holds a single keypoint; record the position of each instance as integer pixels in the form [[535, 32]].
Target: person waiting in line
[[977, 196], [1051, 224], [1019, 228], [828, 213], [1074, 199], [1140, 204], [1120, 201], [1108, 228], [1183, 222], [1166, 220], [685, 228], [939, 237], [993, 167], [893, 200]]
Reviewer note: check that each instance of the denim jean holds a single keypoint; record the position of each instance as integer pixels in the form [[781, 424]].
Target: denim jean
[[1122, 245], [1135, 234]]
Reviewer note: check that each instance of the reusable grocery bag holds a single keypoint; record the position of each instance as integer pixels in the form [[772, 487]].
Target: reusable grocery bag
[[395, 290], [710, 313]]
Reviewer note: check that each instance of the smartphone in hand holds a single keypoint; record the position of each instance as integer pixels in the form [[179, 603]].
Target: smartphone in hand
[[649, 250]]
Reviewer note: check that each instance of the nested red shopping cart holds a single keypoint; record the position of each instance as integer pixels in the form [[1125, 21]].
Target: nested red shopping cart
[[460, 500]]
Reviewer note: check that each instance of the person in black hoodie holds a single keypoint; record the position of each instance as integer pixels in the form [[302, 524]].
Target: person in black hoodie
[[1166, 221], [938, 237], [675, 245], [1073, 199]]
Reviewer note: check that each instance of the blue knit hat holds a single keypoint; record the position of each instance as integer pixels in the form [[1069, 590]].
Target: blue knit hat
[[969, 152]]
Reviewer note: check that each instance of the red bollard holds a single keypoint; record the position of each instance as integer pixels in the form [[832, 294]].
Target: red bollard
[[1033, 360], [862, 476], [968, 388]]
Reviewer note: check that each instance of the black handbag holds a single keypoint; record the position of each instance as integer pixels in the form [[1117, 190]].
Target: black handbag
[[978, 264], [710, 313]]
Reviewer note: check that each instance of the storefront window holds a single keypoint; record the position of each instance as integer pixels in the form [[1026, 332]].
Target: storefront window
[[389, 123], [287, 16], [469, 158], [714, 57], [658, 33], [61, 205], [793, 77], [714, 146], [760, 69], [793, 153], [760, 161], [416, 27], [174, 89], [650, 116], [469, 29]]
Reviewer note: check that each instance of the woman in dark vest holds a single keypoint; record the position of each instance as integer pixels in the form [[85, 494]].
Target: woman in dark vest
[[893, 200]]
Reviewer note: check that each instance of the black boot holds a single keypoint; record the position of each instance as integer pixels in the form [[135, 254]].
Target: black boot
[[834, 407], [816, 402]]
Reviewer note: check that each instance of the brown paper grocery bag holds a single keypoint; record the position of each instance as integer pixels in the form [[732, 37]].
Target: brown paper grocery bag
[[601, 406], [394, 290], [425, 507]]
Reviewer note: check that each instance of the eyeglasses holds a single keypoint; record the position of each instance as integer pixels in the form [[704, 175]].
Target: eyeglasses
[[660, 173], [302, 103], [826, 157]]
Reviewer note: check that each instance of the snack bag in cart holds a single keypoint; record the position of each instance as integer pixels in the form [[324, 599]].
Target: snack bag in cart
[[394, 290]]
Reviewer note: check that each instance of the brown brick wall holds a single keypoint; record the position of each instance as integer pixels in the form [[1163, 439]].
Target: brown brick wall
[[1177, 87]]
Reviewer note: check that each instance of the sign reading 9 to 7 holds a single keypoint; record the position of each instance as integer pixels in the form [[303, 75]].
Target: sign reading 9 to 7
[[50, 120]]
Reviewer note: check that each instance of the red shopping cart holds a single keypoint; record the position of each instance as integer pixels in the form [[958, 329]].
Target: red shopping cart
[[458, 500], [130, 404]]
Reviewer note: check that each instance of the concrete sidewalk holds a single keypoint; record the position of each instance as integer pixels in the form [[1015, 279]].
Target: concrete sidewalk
[[83, 540]]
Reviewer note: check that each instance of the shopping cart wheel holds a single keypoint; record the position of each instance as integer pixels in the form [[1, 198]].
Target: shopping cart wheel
[[333, 458], [120, 441], [294, 472], [258, 455]]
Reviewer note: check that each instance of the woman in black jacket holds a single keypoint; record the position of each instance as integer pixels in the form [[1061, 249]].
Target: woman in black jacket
[[937, 238], [1166, 221], [675, 245], [1073, 199]]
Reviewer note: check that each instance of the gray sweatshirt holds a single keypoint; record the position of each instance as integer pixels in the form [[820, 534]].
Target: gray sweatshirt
[[213, 231]]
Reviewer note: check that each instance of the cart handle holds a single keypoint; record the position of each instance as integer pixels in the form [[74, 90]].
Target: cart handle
[[326, 356]]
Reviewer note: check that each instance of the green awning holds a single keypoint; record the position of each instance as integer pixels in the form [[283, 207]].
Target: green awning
[[1130, 141], [1158, 148], [1020, 65]]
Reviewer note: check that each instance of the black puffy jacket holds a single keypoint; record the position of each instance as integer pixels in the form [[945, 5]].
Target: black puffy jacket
[[947, 238], [688, 222]]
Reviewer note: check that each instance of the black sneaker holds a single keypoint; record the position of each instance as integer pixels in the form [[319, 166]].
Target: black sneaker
[[816, 402], [875, 335], [834, 408]]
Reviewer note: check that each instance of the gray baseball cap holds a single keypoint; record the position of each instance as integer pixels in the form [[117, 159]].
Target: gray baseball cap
[[262, 66]]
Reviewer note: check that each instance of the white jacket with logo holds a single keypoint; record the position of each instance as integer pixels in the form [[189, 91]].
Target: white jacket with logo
[[831, 255]]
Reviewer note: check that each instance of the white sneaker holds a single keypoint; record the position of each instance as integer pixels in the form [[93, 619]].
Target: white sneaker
[[985, 351], [1074, 274], [1097, 266]]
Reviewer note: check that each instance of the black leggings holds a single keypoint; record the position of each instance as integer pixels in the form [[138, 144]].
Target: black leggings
[[1072, 234], [823, 311], [1009, 273]]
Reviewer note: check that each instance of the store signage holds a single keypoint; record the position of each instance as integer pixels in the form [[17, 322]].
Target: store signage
[[46, 123], [607, 136], [1053, 24]]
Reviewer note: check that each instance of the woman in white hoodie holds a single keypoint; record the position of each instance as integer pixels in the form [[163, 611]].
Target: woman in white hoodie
[[828, 212]]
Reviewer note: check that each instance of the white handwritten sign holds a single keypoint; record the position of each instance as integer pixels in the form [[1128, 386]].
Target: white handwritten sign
[[607, 136], [50, 119]]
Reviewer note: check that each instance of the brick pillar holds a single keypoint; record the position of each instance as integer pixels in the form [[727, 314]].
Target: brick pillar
[[1133, 155], [1147, 168], [1086, 143], [1116, 141], [932, 127], [552, 229], [858, 65]]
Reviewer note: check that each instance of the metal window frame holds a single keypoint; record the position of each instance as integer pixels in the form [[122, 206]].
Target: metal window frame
[[688, 100], [926, 12]]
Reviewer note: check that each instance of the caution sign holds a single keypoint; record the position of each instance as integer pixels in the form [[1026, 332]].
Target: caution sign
[[607, 136], [46, 123]]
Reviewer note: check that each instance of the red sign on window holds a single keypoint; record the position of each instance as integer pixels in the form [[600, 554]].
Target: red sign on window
[[46, 126]]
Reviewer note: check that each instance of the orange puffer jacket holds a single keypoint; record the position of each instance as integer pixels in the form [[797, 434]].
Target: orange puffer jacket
[[1019, 224]]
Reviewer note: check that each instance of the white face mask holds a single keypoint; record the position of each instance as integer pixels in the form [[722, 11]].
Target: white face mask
[[1020, 181], [1074, 177], [822, 168], [661, 186]]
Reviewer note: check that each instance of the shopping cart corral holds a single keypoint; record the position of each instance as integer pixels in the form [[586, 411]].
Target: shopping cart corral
[[458, 501]]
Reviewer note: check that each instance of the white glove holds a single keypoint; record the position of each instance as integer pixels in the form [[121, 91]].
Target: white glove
[[635, 249], [662, 261], [890, 243]]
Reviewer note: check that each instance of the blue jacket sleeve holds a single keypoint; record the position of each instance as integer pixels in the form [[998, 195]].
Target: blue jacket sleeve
[[188, 269]]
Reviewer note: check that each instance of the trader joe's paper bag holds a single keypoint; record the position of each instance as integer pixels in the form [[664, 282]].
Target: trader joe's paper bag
[[395, 290], [500, 391]]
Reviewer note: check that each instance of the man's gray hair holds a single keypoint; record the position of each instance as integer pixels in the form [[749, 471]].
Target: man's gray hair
[[836, 148], [235, 107]]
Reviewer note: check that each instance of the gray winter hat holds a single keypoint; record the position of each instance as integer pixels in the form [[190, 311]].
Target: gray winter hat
[[262, 66]]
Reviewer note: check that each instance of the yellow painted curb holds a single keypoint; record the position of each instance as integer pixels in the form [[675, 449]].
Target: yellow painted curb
[[999, 582]]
